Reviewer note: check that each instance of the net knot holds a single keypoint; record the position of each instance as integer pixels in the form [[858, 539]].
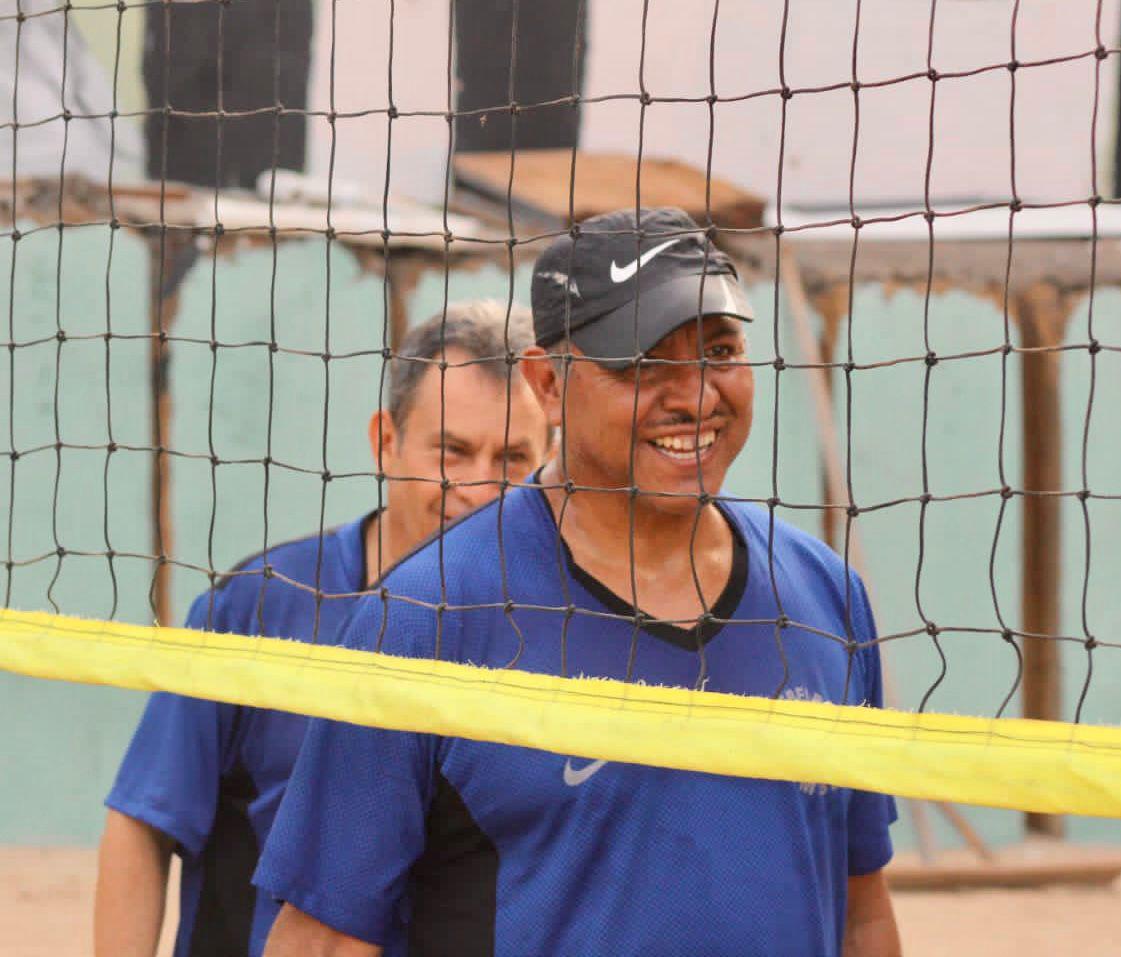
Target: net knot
[[855, 86], [857, 222], [114, 223], [326, 475], [58, 446], [849, 366], [1100, 52], [67, 116], [1090, 643], [330, 233], [274, 346], [1016, 205], [508, 606], [1007, 635], [219, 230], [929, 215], [1005, 492], [773, 502], [1013, 66], [569, 487], [778, 230], [60, 335], [266, 461], [931, 359], [779, 364], [1094, 201], [852, 511], [1006, 349], [332, 116], [1083, 494], [712, 99], [15, 234], [515, 108], [121, 6], [111, 447], [645, 98], [14, 456], [392, 112], [574, 230], [783, 621], [1095, 347], [704, 499], [932, 75], [786, 93], [60, 552], [213, 345], [266, 571], [215, 461], [932, 629]]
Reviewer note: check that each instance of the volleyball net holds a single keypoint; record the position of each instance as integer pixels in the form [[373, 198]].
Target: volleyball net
[[221, 222]]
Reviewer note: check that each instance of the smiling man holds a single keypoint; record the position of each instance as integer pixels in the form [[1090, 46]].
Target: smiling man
[[624, 562], [204, 779]]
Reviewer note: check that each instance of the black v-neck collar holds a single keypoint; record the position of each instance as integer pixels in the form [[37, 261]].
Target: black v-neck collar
[[691, 638]]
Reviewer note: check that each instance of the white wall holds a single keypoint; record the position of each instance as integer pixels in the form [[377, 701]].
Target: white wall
[[361, 68], [972, 152]]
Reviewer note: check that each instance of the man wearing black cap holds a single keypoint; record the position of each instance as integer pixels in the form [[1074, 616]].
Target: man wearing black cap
[[620, 560]]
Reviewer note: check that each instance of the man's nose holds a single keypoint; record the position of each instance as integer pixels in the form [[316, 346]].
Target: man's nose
[[478, 481], [689, 389]]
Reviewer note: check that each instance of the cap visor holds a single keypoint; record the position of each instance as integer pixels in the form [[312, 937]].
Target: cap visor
[[616, 338]]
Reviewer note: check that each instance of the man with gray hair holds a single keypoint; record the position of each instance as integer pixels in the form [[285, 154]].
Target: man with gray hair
[[205, 779]]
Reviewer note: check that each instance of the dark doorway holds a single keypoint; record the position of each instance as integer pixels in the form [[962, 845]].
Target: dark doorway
[[549, 34], [265, 47]]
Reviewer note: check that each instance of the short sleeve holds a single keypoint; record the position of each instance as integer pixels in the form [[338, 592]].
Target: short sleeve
[[352, 822], [170, 774], [870, 815]]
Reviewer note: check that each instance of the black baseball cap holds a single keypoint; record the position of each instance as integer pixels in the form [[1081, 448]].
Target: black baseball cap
[[620, 283]]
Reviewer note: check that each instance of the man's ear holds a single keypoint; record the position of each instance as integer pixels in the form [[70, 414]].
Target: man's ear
[[541, 375], [383, 440]]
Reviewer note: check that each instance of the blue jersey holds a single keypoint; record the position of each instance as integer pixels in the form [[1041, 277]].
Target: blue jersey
[[432, 846], [211, 775]]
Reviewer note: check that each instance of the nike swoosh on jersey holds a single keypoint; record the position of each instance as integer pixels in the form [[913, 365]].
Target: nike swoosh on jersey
[[623, 273], [574, 777]]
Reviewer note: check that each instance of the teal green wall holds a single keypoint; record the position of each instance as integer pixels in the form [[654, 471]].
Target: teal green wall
[[63, 742]]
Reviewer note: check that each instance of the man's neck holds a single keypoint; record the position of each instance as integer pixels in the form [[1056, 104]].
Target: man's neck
[[385, 545], [617, 527]]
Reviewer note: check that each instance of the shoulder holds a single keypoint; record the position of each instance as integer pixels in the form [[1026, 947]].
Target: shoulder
[[798, 555], [448, 583], [287, 569]]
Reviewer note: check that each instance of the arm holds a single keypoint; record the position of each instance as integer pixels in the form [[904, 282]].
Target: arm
[[296, 934], [870, 929], [131, 887]]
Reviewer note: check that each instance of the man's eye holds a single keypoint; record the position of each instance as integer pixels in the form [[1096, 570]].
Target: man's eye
[[723, 351], [517, 457], [455, 451]]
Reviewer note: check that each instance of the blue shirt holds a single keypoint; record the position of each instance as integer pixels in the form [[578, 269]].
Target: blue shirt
[[211, 775], [432, 846]]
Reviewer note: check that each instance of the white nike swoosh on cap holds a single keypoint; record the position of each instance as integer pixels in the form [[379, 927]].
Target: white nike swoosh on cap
[[623, 273], [574, 777]]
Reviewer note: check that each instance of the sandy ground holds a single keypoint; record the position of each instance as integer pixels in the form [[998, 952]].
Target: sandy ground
[[46, 903]]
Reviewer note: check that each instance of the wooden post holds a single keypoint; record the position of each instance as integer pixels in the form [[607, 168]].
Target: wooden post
[[1043, 312], [832, 304], [163, 302]]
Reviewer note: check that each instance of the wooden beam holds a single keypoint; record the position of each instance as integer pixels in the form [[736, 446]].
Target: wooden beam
[[1043, 311]]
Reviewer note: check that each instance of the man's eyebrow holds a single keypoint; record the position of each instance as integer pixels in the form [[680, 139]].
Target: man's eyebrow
[[449, 438], [723, 326]]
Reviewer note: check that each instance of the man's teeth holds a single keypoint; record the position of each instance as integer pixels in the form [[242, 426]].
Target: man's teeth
[[685, 445]]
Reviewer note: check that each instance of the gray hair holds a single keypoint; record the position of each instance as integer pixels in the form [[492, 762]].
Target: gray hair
[[483, 328]]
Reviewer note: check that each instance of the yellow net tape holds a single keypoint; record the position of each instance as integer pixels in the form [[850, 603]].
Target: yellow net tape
[[1029, 765]]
